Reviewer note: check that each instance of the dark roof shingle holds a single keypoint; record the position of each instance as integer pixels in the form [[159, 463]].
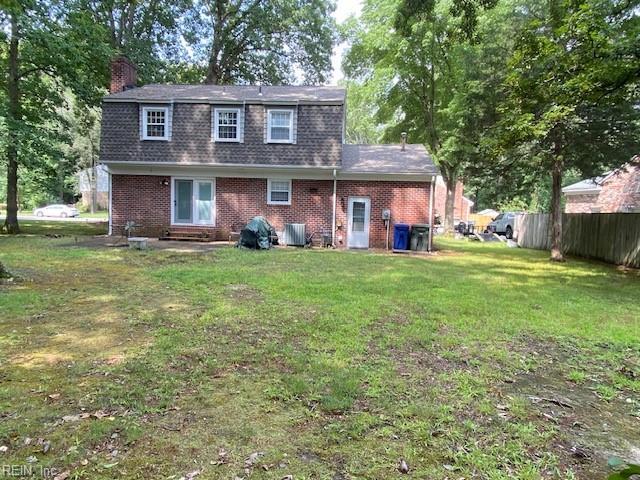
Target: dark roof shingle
[[230, 93], [387, 159]]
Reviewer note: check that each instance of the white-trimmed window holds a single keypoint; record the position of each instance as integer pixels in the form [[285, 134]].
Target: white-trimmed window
[[279, 126], [226, 125], [155, 125], [278, 191]]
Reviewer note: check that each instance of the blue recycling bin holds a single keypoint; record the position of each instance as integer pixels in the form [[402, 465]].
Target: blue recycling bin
[[401, 236]]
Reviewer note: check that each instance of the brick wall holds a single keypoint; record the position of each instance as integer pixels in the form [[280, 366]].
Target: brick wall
[[145, 200], [408, 202], [582, 203], [319, 137], [123, 75], [461, 207], [621, 192], [240, 199], [142, 199]]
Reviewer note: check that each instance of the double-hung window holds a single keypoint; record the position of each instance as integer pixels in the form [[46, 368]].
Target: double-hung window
[[155, 123], [278, 192], [226, 125], [279, 126]]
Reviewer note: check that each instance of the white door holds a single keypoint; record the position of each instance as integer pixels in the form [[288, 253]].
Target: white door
[[358, 217]]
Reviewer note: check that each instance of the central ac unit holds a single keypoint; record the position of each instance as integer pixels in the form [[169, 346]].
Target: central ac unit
[[294, 234]]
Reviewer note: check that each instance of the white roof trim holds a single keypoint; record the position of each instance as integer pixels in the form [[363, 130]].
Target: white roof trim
[[256, 171]]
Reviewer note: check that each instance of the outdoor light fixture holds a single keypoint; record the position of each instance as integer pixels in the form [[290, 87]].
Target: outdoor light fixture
[[164, 182]]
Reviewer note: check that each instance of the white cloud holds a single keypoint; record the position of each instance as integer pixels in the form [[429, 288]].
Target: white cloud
[[344, 9]]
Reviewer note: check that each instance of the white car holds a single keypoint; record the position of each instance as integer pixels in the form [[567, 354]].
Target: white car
[[504, 224], [62, 211]]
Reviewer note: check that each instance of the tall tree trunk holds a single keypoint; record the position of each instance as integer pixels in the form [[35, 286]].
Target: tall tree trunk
[[556, 211], [214, 73], [11, 222], [450, 181]]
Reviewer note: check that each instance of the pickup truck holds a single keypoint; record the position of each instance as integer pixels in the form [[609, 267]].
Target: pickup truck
[[504, 224]]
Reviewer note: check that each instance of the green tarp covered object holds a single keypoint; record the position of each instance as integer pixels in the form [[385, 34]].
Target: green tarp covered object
[[256, 234]]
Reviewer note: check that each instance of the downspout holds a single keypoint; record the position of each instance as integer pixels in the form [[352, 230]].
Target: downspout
[[110, 215], [333, 221], [431, 214]]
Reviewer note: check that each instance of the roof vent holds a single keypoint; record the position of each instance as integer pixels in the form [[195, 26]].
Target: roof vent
[[403, 136], [260, 90]]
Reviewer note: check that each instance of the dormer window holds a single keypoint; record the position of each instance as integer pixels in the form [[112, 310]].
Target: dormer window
[[226, 125], [279, 126], [154, 123]]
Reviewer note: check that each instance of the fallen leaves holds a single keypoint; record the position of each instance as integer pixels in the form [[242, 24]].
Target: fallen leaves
[[98, 414]]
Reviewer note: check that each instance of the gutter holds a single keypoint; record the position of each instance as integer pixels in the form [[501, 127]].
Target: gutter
[[110, 203]]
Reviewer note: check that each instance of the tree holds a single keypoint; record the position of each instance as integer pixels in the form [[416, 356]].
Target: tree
[[46, 45], [147, 32], [437, 73], [361, 124], [249, 41], [572, 94]]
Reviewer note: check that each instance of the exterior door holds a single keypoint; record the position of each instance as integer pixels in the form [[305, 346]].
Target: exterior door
[[193, 202], [358, 218], [183, 202]]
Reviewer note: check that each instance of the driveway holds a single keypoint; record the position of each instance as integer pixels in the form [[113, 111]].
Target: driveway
[[58, 219]]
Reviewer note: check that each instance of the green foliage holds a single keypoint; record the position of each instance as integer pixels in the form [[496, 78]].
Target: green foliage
[[250, 41], [626, 473], [433, 83]]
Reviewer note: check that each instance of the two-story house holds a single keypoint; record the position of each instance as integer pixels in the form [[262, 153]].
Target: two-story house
[[208, 158]]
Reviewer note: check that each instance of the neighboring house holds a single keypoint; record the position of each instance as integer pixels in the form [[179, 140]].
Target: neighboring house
[[614, 192], [101, 176], [461, 204], [208, 158]]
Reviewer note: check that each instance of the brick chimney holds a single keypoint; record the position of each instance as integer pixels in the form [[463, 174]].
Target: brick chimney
[[124, 74]]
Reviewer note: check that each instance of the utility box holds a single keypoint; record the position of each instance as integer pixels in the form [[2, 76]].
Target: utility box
[[420, 237]]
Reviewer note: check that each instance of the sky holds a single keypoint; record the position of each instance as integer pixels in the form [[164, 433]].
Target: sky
[[344, 8]]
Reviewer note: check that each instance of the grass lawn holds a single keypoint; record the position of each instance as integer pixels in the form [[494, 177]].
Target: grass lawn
[[60, 227], [481, 362]]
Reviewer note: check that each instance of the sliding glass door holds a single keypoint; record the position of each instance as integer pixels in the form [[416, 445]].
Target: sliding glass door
[[193, 202]]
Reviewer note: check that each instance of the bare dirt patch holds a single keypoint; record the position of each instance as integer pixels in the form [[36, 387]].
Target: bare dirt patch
[[591, 430], [243, 293]]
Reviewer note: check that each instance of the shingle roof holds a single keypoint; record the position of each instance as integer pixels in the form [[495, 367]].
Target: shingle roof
[[387, 159], [230, 93], [590, 185]]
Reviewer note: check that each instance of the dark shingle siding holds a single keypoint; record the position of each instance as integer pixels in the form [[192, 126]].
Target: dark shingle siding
[[319, 141]]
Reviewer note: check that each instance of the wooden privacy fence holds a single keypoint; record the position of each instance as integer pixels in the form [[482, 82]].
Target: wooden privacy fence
[[612, 237]]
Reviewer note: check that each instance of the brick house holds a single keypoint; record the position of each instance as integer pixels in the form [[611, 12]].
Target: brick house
[[614, 192], [461, 204], [208, 158]]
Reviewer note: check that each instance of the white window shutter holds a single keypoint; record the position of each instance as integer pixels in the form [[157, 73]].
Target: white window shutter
[[266, 121], [170, 121], [294, 126], [140, 114], [213, 124], [241, 124]]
